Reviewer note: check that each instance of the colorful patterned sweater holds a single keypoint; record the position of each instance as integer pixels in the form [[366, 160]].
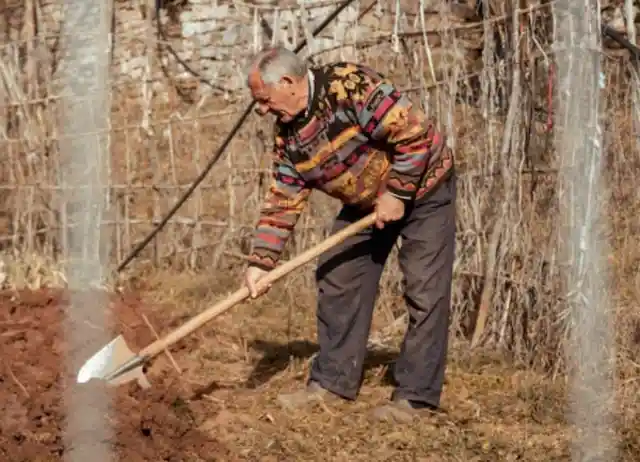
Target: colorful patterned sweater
[[359, 138]]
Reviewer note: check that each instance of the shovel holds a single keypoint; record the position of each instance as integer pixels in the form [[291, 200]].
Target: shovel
[[116, 364]]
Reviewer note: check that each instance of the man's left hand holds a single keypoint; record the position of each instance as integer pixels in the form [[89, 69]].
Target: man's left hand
[[388, 208]]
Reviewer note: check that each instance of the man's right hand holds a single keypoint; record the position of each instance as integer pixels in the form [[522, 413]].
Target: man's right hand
[[251, 278]]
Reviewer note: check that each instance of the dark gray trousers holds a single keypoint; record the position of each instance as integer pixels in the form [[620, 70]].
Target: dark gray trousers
[[348, 277]]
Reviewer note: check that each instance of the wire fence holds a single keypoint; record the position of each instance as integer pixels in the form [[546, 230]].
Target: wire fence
[[176, 90]]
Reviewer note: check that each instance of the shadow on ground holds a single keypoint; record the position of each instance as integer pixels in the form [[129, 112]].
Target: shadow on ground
[[277, 356]]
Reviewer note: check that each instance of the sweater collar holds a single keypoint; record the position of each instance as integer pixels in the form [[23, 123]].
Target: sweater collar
[[311, 85]]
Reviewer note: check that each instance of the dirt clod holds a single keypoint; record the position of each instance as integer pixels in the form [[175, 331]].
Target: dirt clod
[[148, 425]]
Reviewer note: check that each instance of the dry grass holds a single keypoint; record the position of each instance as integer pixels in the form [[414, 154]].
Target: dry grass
[[497, 409], [30, 271]]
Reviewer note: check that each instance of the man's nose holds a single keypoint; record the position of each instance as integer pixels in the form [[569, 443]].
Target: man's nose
[[261, 109]]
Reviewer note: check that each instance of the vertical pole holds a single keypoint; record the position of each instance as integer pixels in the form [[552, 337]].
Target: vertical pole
[[589, 346], [84, 149]]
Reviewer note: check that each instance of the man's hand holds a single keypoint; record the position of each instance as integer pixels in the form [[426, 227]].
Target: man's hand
[[388, 208], [251, 278]]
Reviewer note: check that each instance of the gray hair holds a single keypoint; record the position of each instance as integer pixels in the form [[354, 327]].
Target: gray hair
[[275, 63]]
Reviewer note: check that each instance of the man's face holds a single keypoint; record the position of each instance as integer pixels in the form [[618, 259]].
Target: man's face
[[280, 99]]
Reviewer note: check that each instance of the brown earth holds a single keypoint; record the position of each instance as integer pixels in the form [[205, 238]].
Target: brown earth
[[153, 424]]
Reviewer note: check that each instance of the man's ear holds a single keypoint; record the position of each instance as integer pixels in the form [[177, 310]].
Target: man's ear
[[287, 80]]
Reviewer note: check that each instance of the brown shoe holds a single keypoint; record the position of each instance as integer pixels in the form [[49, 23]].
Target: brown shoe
[[401, 410], [312, 393]]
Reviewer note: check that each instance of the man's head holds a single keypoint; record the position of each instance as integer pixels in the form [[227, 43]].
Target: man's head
[[277, 79]]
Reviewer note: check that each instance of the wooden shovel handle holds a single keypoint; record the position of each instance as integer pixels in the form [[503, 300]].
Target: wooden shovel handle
[[243, 293]]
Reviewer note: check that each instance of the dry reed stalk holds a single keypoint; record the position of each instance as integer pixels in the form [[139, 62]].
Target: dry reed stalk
[[630, 11], [23, 389], [198, 238], [231, 212], [166, 350], [18, 89]]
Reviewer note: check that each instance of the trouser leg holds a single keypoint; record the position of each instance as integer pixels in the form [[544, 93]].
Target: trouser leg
[[347, 278], [426, 260]]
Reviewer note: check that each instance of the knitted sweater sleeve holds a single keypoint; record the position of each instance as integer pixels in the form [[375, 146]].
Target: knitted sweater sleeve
[[285, 200]]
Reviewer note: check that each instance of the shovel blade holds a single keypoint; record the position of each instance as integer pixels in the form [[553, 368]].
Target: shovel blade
[[110, 358]]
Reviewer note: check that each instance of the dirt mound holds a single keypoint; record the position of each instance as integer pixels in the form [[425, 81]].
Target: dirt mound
[[152, 424]]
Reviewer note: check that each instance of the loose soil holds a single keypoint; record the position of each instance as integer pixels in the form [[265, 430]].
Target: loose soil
[[153, 424]]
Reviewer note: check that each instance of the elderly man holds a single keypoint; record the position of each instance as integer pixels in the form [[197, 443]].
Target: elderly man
[[346, 130]]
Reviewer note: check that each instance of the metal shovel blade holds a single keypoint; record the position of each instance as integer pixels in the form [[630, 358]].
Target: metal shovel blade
[[116, 364]]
